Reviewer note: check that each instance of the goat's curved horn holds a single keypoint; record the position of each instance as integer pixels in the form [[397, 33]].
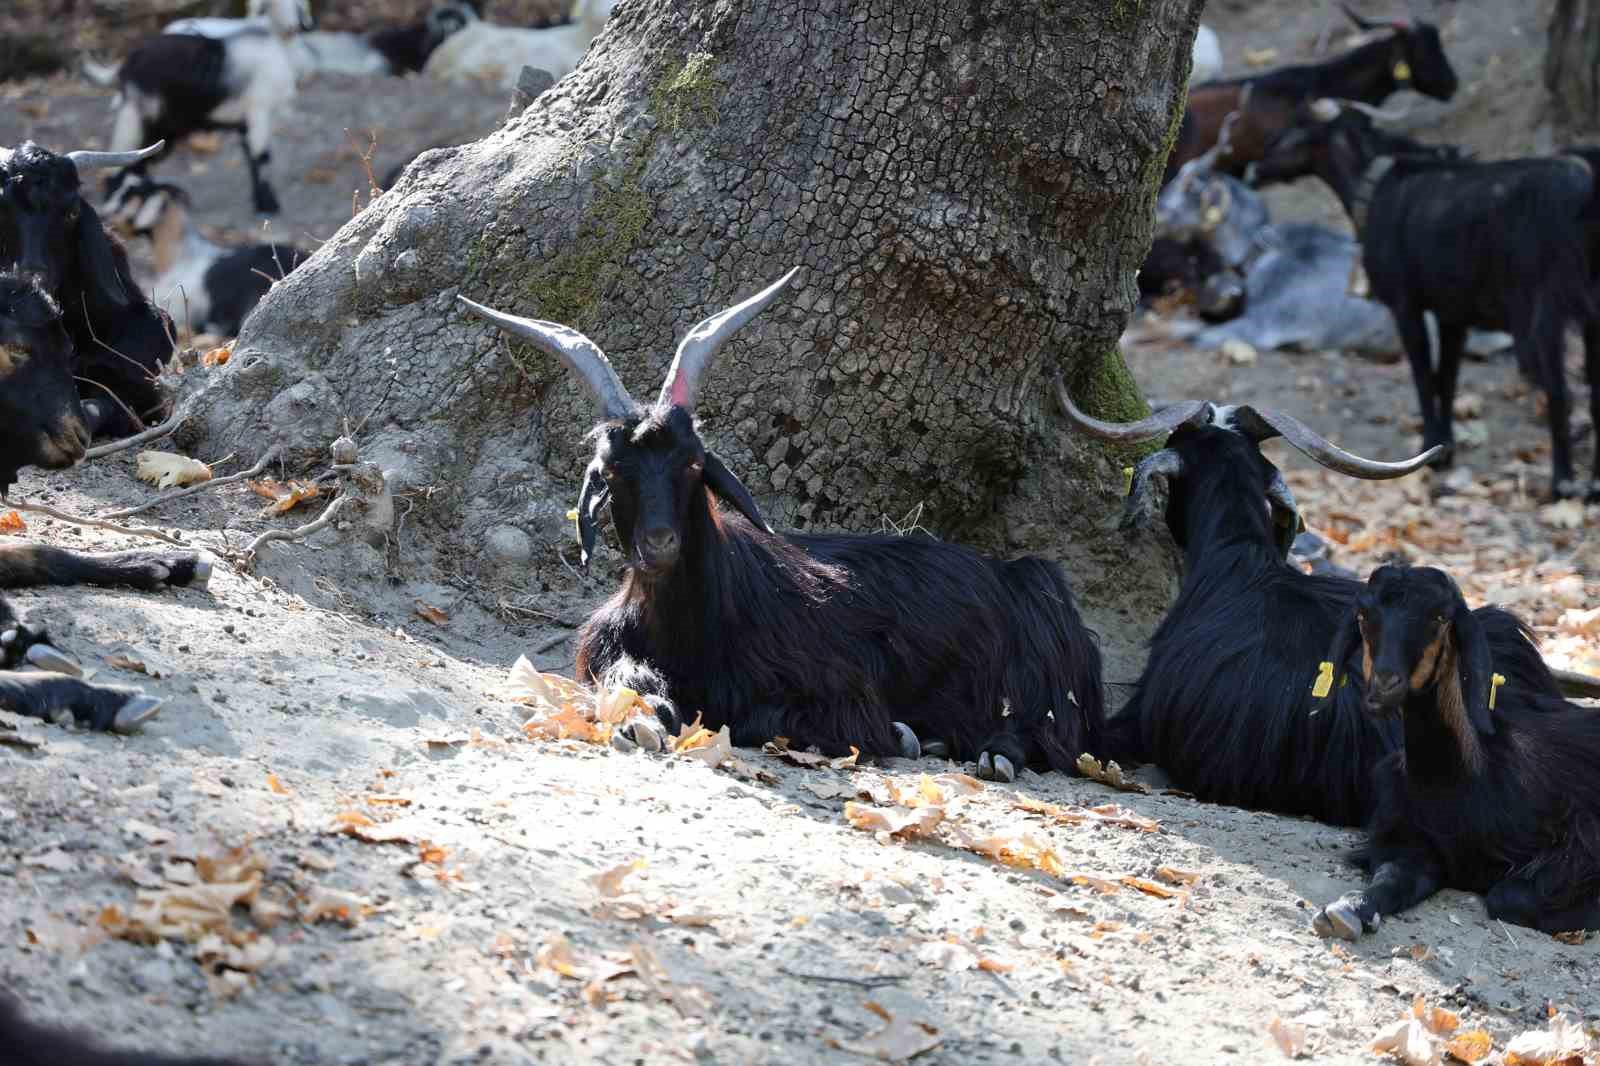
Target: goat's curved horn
[[1162, 422], [1378, 114], [582, 355], [699, 346], [90, 160], [1166, 465], [1265, 423]]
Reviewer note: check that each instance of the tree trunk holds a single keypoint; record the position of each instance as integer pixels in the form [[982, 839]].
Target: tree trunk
[[967, 184], [1572, 65]]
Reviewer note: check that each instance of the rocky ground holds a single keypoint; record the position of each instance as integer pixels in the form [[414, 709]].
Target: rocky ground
[[337, 844]]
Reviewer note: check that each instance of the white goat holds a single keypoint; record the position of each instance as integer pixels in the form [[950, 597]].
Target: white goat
[[493, 54], [1205, 62], [177, 83]]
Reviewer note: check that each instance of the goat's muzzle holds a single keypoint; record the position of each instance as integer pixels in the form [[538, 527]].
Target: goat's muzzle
[[1386, 693], [64, 444], [658, 551]]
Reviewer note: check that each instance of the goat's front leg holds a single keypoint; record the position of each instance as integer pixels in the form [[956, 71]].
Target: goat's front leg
[[1549, 343], [628, 672], [31, 565], [1436, 428], [257, 154], [99, 707], [1402, 879], [1591, 370]]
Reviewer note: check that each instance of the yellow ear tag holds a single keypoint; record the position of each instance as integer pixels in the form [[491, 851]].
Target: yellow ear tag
[[572, 516], [1495, 681], [1402, 71], [1127, 480], [1324, 684], [1212, 216]]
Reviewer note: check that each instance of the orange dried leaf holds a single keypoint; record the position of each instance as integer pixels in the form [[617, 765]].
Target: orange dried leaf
[[896, 821], [1475, 1045], [276, 786], [1290, 1037], [429, 613], [217, 356], [1175, 876], [11, 522], [995, 966], [1149, 888]]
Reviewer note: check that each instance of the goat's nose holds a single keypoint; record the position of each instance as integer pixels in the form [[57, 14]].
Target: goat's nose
[[1387, 683], [661, 543]]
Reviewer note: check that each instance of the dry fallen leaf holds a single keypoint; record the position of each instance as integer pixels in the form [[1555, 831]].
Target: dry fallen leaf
[[901, 1038], [1408, 1041], [285, 496], [1472, 1046], [276, 786], [1025, 851], [1149, 888], [1290, 1037], [608, 883], [896, 821], [11, 522], [1175, 876], [333, 905], [217, 356], [1108, 774], [780, 748], [1562, 1043], [429, 613], [1436, 1020], [165, 470]]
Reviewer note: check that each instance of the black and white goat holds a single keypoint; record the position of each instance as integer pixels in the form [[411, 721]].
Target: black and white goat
[[1225, 702], [401, 48], [42, 424], [49, 232], [1492, 790], [835, 641], [175, 84], [205, 286], [492, 53]]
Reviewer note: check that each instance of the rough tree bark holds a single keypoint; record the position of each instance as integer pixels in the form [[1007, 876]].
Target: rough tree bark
[[967, 184], [1572, 65]]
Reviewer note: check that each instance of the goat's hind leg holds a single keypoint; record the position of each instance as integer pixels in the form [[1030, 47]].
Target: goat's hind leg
[[1518, 901], [257, 140], [1436, 427], [98, 707], [1591, 371], [30, 565]]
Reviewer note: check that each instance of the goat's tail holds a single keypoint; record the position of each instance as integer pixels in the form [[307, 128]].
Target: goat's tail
[[1055, 664]]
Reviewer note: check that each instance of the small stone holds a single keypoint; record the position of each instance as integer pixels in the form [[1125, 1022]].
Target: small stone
[[508, 546], [344, 450], [1239, 353]]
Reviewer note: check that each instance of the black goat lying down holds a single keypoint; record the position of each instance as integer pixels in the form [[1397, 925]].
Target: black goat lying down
[[42, 425], [23, 1043], [1499, 245], [48, 231], [1491, 791], [1224, 704], [830, 640]]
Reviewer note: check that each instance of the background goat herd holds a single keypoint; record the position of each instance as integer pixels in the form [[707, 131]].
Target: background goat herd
[[894, 798]]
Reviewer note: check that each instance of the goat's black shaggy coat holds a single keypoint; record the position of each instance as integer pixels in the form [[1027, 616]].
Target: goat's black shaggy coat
[[1224, 704], [1503, 802], [22, 1043], [828, 640], [120, 340]]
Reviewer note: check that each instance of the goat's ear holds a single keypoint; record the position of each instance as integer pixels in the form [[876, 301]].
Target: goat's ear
[[1475, 667], [720, 480], [103, 287], [1345, 641], [595, 495]]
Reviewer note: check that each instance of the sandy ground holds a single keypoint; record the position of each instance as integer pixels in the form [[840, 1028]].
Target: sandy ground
[[307, 700]]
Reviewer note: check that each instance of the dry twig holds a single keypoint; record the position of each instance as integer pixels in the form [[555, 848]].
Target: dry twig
[[323, 521], [146, 437], [51, 512]]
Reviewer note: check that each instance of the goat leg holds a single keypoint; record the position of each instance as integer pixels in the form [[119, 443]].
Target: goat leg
[[1400, 882], [1436, 427], [1001, 757], [1518, 900], [1591, 370], [99, 707], [26, 565]]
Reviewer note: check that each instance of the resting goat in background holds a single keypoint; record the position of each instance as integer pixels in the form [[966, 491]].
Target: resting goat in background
[[835, 641], [22, 1043], [1492, 790], [41, 424], [48, 231], [1225, 702]]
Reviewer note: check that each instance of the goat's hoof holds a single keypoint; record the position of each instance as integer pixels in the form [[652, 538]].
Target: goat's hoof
[[642, 732], [910, 747], [936, 749], [202, 571], [135, 713], [997, 768], [1339, 919], [51, 658]]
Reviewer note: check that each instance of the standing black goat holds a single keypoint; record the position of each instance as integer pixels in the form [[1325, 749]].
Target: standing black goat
[[1499, 245], [1224, 704], [49, 232], [41, 424], [22, 1043], [1491, 792], [834, 641]]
